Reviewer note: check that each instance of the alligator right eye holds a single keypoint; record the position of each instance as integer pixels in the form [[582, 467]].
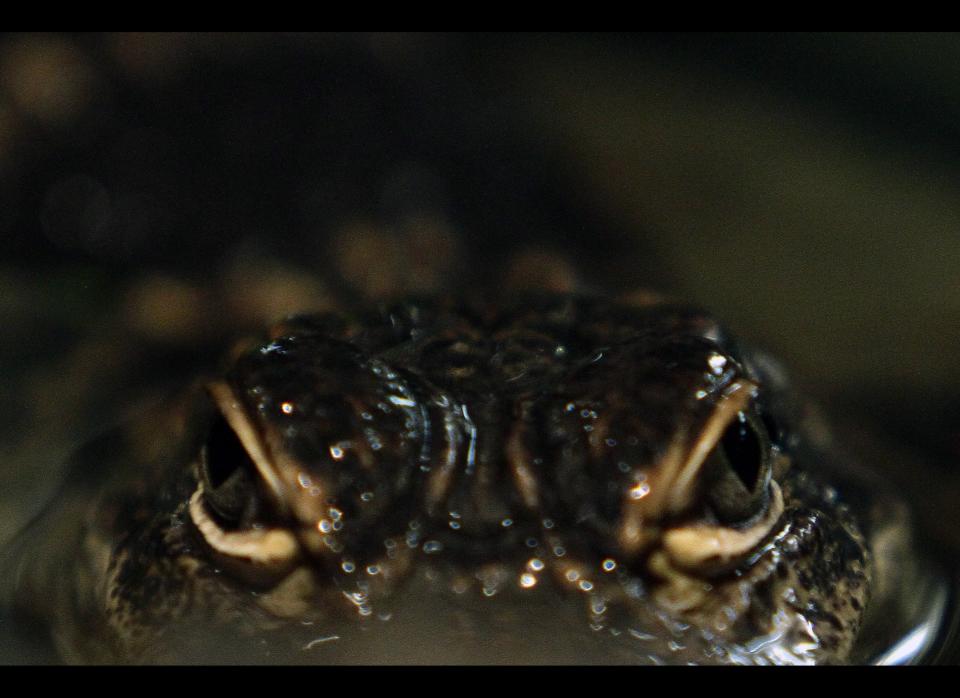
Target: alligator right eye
[[739, 471]]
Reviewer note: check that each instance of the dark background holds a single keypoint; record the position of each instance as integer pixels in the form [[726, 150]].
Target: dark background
[[162, 193]]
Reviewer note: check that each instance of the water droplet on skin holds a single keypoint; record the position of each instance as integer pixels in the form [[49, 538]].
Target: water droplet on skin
[[633, 588], [717, 363], [373, 439], [432, 546], [320, 641], [637, 635], [609, 565]]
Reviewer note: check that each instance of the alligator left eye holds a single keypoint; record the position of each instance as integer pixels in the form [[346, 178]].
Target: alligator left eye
[[225, 469], [739, 470]]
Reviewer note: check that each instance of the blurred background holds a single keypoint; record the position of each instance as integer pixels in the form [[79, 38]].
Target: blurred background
[[161, 194]]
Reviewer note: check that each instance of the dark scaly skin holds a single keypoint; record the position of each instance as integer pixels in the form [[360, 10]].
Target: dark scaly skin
[[467, 449]]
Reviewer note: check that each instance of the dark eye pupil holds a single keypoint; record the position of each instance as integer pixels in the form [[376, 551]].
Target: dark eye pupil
[[225, 454], [227, 473], [744, 451], [774, 433], [739, 470]]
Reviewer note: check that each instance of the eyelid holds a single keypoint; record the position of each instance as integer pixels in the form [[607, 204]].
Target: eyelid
[[736, 399], [697, 545], [272, 546]]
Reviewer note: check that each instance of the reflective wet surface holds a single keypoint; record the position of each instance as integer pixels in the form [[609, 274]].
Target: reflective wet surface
[[549, 478], [153, 211]]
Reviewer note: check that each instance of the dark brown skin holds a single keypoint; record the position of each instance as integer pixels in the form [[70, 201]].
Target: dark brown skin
[[554, 479]]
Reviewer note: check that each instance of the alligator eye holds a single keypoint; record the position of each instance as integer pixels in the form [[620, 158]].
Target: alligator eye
[[738, 473], [226, 470], [774, 431]]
